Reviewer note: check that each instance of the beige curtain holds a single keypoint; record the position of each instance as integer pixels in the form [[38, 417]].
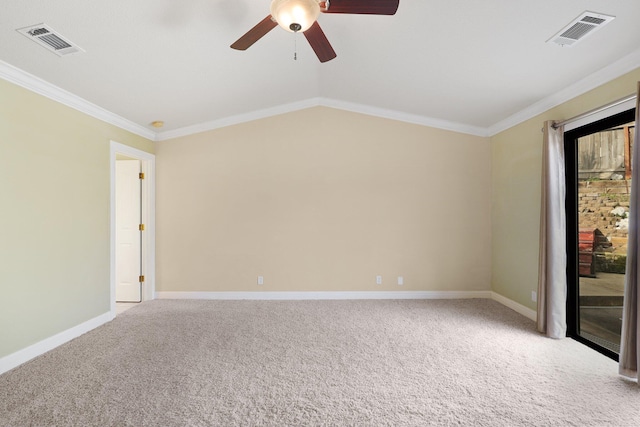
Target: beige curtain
[[552, 264], [629, 351]]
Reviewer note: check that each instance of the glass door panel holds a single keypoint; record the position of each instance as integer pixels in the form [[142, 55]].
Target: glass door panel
[[598, 222]]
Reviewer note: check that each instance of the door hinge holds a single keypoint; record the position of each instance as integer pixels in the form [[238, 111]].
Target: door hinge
[[141, 279], [141, 175], [141, 227]]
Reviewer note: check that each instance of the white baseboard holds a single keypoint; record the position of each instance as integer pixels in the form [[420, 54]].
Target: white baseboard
[[517, 307], [19, 357], [324, 295], [350, 295]]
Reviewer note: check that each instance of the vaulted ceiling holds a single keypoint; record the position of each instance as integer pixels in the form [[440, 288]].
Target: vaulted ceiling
[[457, 64]]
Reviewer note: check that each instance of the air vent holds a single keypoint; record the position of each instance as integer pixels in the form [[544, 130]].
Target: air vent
[[47, 37], [584, 25]]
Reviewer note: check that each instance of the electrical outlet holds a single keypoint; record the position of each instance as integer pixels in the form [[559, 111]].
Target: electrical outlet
[[260, 280], [534, 296], [400, 280], [378, 280]]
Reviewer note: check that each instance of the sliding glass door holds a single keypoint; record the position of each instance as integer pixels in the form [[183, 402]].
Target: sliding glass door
[[598, 158]]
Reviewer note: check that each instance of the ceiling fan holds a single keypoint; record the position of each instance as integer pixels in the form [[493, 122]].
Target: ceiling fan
[[301, 16]]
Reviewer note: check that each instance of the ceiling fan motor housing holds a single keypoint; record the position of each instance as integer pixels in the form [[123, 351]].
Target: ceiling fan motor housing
[[295, 15], [301, 16]]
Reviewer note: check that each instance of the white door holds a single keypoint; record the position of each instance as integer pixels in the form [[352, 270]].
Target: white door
[[128, 249]]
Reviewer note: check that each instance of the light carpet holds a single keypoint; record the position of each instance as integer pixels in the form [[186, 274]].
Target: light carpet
[[308, 363]]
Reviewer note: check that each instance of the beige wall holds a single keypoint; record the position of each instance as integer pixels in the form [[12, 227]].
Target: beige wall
[[54, 206], [516, 156], [323, 200]]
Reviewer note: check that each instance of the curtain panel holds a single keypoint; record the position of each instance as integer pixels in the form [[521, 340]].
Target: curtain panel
[[629, 352], [552, 263]]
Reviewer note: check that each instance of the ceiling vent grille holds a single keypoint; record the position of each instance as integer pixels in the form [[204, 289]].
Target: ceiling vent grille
[[585, 24], [45, 36]]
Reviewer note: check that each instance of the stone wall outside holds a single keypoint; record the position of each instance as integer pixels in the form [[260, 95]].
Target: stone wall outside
[[596, 201]]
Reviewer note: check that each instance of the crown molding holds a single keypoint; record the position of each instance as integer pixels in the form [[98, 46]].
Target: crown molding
[[35, 84], [404, 117], [238, 119], [21, 78], [323, 102], [28, 81], [604, 75]]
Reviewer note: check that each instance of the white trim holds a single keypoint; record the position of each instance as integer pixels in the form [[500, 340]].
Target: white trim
[[605, 75], [517, 307], [324, 102], [238, 119], [148, 162], [404, 117], [19, 357], [612, 111], [39, 86], [349, 295], [35, 84], [324, 295]]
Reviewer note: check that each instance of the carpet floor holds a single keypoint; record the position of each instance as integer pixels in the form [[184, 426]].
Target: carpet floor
[[332, 363]]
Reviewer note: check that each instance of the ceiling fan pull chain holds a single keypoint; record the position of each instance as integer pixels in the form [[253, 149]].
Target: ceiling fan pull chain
[[295, 46]]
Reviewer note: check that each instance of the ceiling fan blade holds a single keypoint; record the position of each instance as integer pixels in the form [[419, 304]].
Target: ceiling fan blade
[[365, 7], [319, 42], [255, 34]]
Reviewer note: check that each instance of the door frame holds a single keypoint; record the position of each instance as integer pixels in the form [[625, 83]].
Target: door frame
[[571, 136], [148, 167]]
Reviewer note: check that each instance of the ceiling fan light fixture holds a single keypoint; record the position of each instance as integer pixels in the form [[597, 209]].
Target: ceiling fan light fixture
[[295, 15]]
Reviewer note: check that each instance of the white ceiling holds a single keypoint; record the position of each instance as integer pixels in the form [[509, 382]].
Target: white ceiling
[[467, 65]]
